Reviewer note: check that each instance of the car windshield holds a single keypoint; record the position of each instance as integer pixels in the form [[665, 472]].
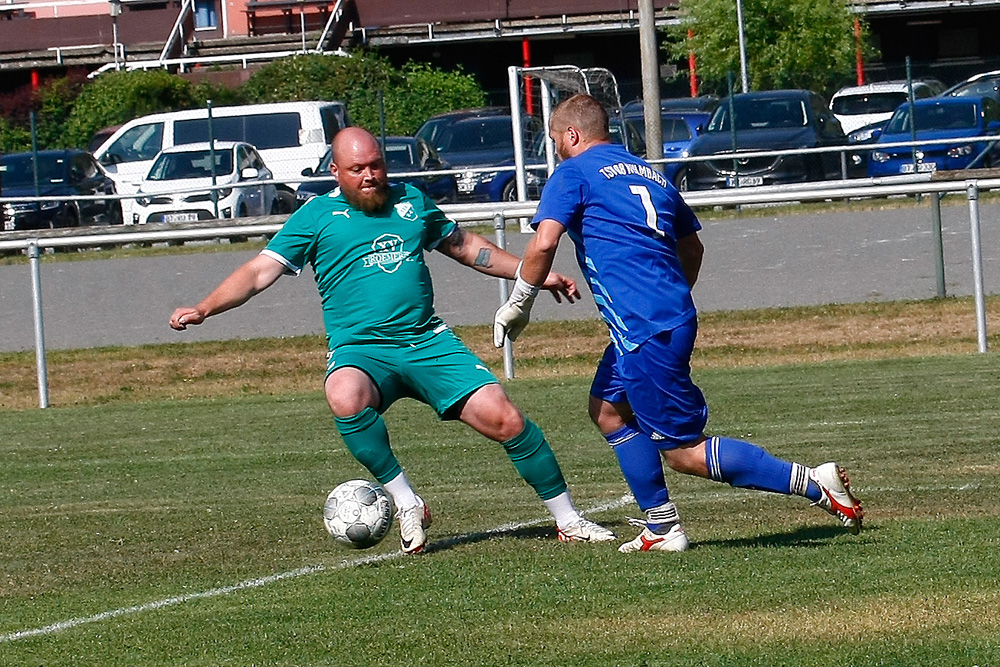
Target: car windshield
[[477, 134], [988, 87], [190, 164], [761, 114], [18, 170], [935, 117], [855, 105]]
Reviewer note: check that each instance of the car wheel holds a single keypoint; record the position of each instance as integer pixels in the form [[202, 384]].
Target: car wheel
[[284, 202], [116, 217], [241, 212], [681, 180], [69, 218], [510, 191]]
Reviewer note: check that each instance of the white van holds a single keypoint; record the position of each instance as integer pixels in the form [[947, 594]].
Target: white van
[[290, 136]]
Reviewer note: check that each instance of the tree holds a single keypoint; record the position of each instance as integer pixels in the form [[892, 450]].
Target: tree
[[409, 95], [789, 43], [116, 97]]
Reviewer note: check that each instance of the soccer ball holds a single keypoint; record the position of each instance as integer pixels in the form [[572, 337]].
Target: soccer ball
[[358, 514]]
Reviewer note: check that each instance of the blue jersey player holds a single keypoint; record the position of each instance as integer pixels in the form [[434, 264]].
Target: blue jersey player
[[637, 245]]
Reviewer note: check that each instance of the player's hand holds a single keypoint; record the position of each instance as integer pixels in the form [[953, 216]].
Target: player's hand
[[182, 317], [513, 316], [561, 286]]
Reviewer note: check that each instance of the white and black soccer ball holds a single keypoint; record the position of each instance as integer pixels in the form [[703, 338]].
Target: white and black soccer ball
[[358, 514]]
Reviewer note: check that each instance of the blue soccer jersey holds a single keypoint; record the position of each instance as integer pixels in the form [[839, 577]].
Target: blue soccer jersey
[[624, 219]]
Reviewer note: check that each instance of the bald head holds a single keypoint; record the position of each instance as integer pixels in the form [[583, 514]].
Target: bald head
[[577, 124], [359, 168], [352, 141]]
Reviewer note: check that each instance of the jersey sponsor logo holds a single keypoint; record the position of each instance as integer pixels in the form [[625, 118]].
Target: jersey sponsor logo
[[387, 253], [346, 214], [632, 169], [405, 210]]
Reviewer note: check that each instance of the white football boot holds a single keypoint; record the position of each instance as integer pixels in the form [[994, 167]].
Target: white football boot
[[413, 522], [835, 486], [673, 539], [584, 530]]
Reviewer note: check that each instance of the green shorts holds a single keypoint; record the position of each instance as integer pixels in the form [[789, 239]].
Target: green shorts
[[439, 371]]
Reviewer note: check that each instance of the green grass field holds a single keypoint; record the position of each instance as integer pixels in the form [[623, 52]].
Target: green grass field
[[189, 532]]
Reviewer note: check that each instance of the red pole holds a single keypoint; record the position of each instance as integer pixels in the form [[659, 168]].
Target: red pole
[[859, 58], [529, 99], [34, 81], [691, 68]]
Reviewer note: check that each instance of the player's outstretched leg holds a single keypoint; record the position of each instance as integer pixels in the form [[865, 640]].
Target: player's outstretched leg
[[745, 465], [837, 498], [534, 460]]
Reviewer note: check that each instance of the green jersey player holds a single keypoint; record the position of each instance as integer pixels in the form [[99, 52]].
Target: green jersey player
[[366, 242]]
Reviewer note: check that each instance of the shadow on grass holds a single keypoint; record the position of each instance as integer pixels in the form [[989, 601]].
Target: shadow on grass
[[806, 536]]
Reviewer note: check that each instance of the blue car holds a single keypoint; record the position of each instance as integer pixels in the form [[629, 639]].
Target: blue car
[[974, 123], [679, 130]]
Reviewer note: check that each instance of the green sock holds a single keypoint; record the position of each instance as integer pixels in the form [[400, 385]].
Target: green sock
[[367, 439], [535, 462]]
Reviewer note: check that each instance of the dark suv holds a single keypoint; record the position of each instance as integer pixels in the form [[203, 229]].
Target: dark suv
[[482, 138], [765, 121]]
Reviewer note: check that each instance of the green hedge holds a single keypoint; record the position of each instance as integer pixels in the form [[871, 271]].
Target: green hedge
[[70, 112]]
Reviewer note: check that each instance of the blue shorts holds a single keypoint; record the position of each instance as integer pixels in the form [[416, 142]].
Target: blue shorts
[[655, 380]]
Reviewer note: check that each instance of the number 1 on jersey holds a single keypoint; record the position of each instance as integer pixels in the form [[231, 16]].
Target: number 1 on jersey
[[642, 192]]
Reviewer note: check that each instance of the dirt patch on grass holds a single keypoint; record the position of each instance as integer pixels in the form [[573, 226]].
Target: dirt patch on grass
[[292, 365]]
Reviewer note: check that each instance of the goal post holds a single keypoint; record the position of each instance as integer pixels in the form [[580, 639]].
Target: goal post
[[548, 85]]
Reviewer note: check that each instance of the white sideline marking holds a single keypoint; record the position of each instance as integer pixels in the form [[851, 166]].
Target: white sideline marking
[[270, 579]]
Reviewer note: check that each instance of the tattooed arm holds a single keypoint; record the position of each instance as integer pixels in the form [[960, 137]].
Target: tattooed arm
[[479, 253]]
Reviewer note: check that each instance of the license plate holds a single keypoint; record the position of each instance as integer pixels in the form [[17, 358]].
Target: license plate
[[466, 187], [922, 167], [745, 181], [180, 217]]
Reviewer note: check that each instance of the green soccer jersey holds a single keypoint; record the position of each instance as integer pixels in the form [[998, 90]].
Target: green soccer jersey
[[369, 268]]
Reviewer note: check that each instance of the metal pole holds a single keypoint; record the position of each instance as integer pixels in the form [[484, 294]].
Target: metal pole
[[500, 225], [732, 128], [913, 118], [744, 75], [550, 147], [517, 127], [938, 244], [36, 303], [972, 192], [650, 83], [302, 25], [211, 158]]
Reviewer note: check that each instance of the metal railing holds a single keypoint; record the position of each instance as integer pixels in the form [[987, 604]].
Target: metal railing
[[499, 213]]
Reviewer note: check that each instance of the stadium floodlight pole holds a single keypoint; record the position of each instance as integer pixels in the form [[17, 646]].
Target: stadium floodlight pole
[[650, 83], [744, 76]]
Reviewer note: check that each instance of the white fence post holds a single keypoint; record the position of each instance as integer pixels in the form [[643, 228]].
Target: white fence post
[[36, 303], [500, 225], [972, 192]]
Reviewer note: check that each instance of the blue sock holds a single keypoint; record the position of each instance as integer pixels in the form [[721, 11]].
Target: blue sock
[[639, 459], [747, 466]]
